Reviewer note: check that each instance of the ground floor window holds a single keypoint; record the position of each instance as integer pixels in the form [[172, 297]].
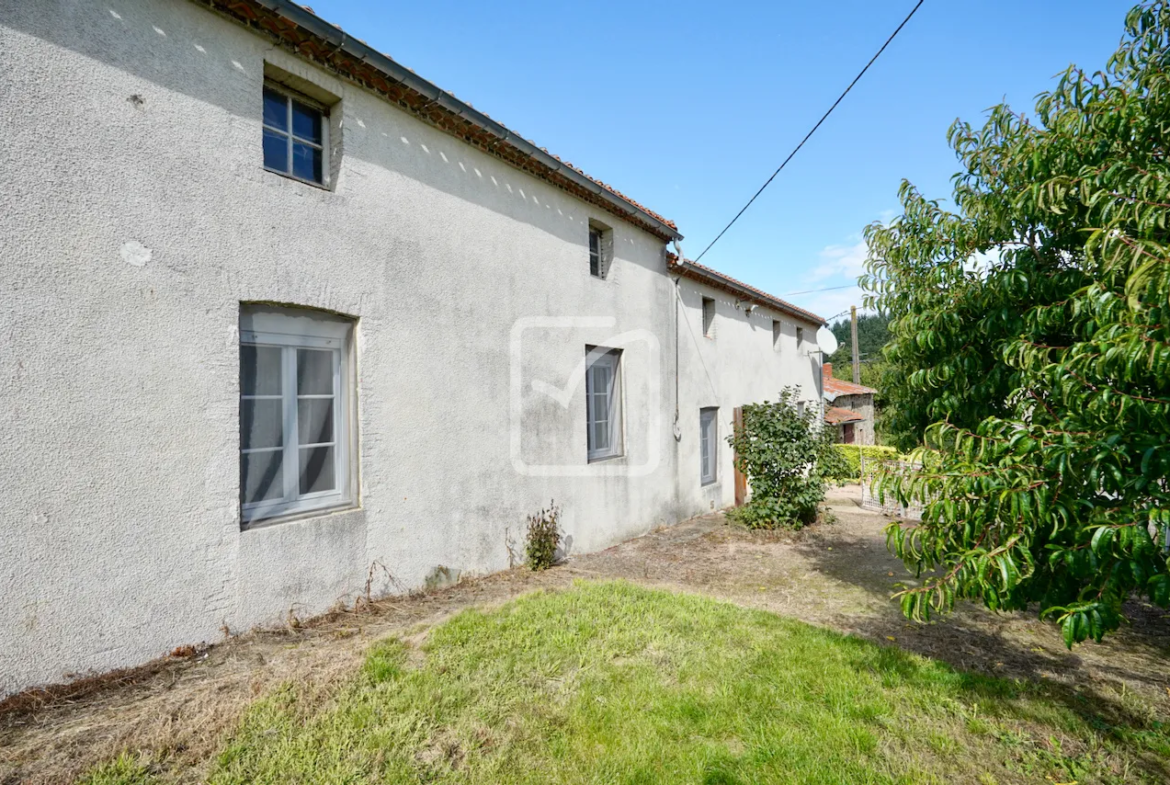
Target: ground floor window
[[708, 445], [295, 413], [603, 407]]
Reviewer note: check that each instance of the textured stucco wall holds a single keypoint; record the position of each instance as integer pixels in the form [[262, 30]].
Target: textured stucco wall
[[135, 218], [740, 364]]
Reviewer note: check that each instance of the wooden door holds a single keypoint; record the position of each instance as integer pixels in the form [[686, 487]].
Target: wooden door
[[740, 477]]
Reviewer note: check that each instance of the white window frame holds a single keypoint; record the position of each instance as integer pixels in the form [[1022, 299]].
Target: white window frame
[[709, 445], [600, 249], [708, 317], [290, 96], [290, 329], [597, 358]]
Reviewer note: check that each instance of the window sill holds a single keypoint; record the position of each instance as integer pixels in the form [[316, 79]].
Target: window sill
[[322, 186], [299, 515], [606, 458]]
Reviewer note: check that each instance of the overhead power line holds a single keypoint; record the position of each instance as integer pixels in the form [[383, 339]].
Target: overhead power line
[[807, 136], [826, 289]]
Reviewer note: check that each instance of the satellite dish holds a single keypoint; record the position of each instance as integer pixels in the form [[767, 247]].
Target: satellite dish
[[826, 340]]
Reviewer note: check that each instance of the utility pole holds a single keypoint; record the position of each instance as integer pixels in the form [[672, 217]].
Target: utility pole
[[856, 355]]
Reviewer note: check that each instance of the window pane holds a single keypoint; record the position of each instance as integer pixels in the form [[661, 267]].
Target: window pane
[[275, 150], [259, 370], [600, 435], [317, 470], [315, 420], [261, 423], [306, 162], [261, 478], [314, 372], [306, 122], [275, 109]]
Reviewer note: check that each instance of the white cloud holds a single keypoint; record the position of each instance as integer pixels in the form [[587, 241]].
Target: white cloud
[[847, 260], [833, 280], [831, 305]]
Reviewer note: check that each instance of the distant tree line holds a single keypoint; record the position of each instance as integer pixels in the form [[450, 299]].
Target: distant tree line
[[872, 334]]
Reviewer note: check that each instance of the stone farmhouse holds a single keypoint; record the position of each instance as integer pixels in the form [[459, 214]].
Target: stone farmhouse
[[848, 408], [281, 317]]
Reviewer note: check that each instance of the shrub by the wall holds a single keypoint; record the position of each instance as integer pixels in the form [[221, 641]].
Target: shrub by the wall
[[788, 457], [543, 538]]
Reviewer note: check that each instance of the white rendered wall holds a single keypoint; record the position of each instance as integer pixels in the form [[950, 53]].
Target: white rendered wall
[[738, 365], [134, 219]]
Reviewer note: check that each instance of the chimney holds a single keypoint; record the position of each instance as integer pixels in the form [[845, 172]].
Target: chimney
[[827, 371]]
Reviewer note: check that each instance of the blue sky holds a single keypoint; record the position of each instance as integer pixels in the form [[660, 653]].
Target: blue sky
[[688, 107]]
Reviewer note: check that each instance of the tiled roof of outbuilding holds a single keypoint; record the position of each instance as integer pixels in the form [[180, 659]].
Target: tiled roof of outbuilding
[[837, 416], [839, 387]]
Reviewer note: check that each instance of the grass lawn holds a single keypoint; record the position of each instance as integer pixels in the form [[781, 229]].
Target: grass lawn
[[611, 683]]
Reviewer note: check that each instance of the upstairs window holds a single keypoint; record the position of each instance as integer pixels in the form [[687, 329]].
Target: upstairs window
[[603, 407], [600, 249], [296, 130], [708, 317], [777, 333], [799, 338], [708, 445], [296, 425]]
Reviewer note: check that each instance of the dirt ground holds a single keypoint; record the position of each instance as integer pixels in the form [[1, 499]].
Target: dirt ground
[[837, 575]]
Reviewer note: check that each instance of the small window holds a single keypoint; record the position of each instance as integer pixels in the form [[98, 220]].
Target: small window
[[600, 249], [799, 338], [295, 419], [708, 317], [708, 445], [295, 135], [603, 402], [777, 332]]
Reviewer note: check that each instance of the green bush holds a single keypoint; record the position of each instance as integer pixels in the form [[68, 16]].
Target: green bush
[[543, 538], [852, 453], [788, 457]]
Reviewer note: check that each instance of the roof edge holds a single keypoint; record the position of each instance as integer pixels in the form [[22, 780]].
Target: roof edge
[[698, 272], [341, 41]]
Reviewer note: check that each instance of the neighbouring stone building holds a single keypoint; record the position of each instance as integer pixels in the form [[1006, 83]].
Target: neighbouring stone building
[[848, 408], [281, 315]]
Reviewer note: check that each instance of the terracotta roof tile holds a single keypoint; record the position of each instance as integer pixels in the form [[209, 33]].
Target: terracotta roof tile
[[836, 416], [839, 387]]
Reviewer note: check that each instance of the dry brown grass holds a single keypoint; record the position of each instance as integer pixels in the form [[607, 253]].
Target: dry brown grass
[[178, 709]]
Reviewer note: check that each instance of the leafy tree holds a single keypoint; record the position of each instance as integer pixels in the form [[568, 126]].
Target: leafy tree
[[788, 457], [1030, 355]]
